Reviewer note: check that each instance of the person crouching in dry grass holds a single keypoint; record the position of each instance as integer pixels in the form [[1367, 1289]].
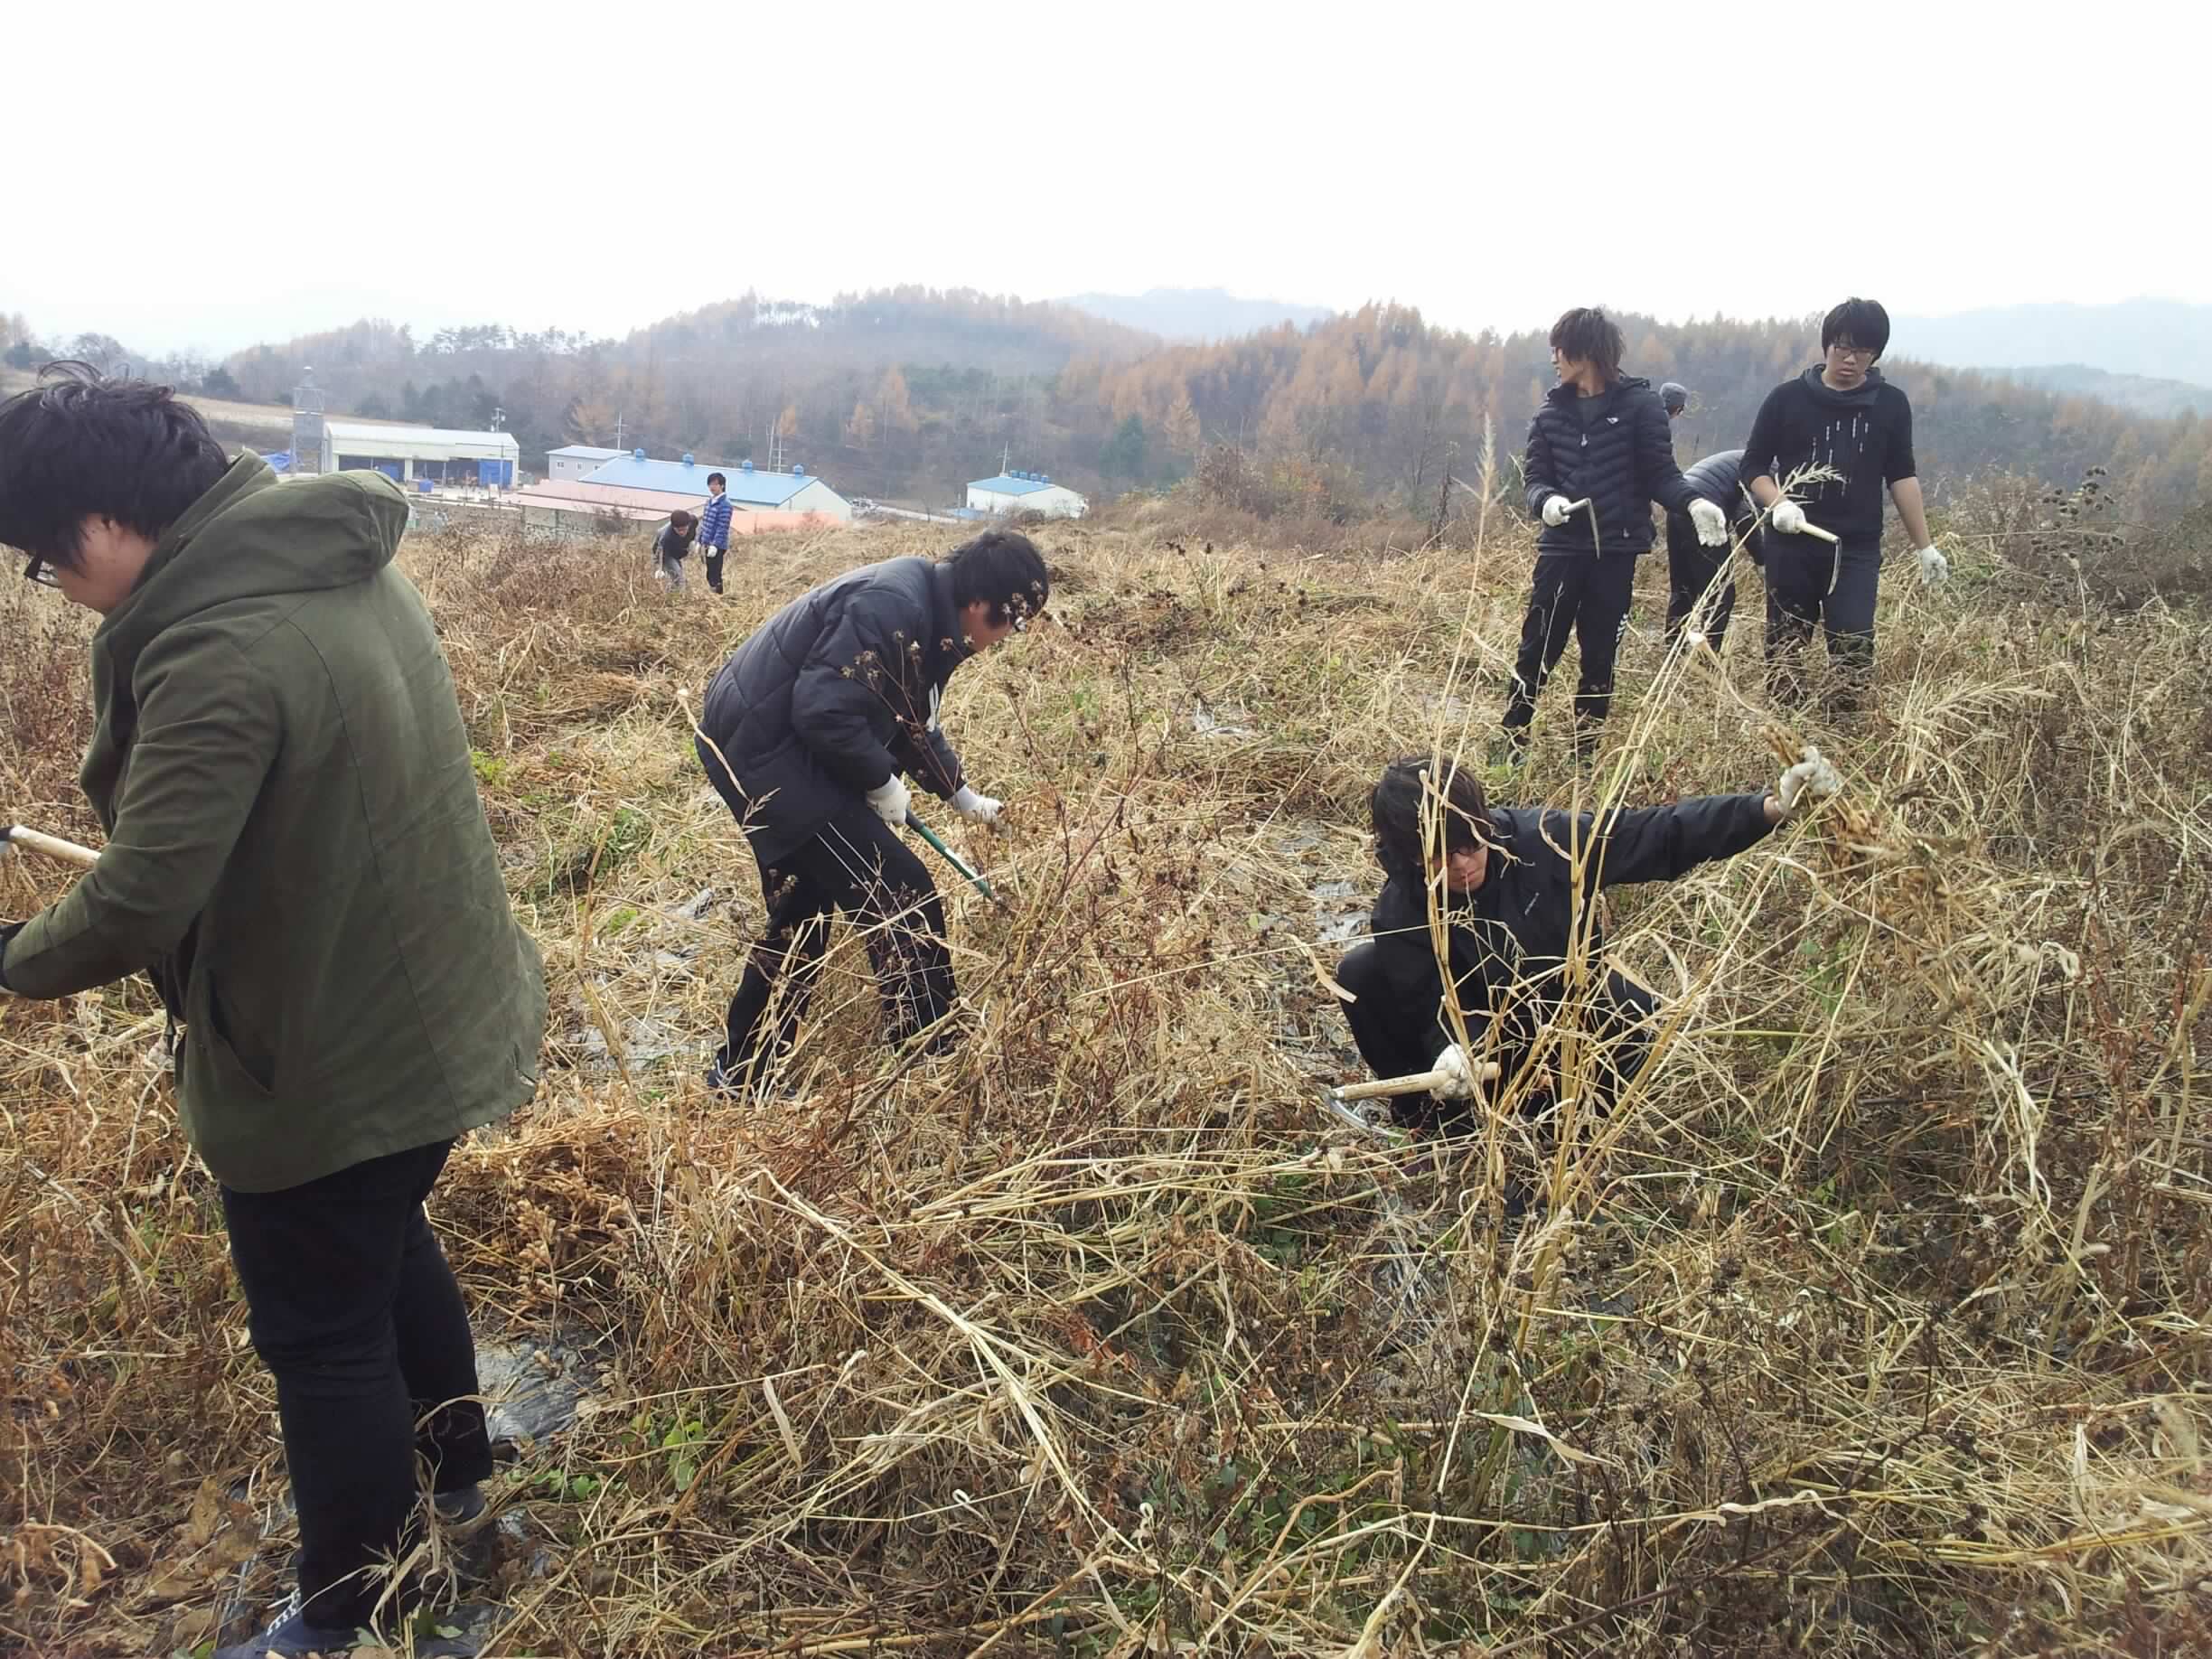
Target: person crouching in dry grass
[[1505, 884]]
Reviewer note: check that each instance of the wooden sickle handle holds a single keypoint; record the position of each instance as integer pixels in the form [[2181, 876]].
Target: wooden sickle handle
[[53, 846], [1419, 1082]]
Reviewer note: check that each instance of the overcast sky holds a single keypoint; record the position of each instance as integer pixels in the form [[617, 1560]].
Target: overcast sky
[[207, 178]]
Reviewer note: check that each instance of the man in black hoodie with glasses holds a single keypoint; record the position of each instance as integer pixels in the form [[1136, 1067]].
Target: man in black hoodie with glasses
[[1851, 431]]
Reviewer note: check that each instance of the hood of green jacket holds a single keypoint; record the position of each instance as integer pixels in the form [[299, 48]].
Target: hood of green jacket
[[275, 538]]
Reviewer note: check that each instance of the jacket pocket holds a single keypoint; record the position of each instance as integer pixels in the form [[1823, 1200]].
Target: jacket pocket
[[229, 1069]]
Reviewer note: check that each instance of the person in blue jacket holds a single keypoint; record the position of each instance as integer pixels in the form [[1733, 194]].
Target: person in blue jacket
[[1598, 455], [714, 528]]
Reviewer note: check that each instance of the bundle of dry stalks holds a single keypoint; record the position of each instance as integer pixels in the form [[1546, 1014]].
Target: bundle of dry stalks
[[1872, 1316]]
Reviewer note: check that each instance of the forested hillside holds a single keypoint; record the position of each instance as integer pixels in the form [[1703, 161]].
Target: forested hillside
[[908, 392]]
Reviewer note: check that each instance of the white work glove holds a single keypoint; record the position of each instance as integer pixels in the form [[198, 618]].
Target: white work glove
[[975, 809], [889, 801], [1786, 516], [1459, 1084], [1711, 522], [1555, 510], [1933, 566], [1811, 779]]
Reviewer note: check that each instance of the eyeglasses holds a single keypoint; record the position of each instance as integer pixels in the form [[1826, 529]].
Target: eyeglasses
[[1854, 354], [38, 570]]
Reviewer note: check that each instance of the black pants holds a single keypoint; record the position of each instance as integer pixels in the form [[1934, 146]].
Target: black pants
[[1392, 1045], [1812, 586], [714, 567], [355, 1313], [1692, 566], [856, 864], [1587, 593]]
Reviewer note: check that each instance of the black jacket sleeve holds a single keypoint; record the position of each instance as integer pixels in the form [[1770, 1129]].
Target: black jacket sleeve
[[1660, 843], [838, 701], [932, 760], [1898, 464], [1657, 469], [1766, 440], [1536, 467]]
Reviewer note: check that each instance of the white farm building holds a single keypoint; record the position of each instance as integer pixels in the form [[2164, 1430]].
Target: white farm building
[[1026, 493], [407, 454], [579, 460]]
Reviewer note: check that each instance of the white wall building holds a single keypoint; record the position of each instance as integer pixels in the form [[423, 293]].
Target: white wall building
[[1026, 493], [579, 461], [481, 460]]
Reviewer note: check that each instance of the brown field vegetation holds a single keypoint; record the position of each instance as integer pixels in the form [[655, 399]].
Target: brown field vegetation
[[1872, 1321]]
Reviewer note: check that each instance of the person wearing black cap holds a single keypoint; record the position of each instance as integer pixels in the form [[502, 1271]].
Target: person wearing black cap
[[1693, 567]]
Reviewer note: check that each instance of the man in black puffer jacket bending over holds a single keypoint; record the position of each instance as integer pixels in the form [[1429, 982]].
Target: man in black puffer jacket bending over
[[806, 733], [1598, 455]]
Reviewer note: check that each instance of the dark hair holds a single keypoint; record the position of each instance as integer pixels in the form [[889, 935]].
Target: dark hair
[[80, 445], [1004, 570], [718, 478], [1587, 333], [681, 519], [1401, 799], [1862, 321]]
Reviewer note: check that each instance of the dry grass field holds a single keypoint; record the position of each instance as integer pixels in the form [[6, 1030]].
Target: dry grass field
[[1873, 1320]]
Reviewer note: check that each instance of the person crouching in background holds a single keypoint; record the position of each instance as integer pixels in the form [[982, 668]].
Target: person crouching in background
[[672, 545]]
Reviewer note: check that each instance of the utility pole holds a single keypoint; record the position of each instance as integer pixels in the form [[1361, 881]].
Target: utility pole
[[618, 443]]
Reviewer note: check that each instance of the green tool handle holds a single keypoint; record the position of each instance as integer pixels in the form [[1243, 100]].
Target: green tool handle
[[949, 856]]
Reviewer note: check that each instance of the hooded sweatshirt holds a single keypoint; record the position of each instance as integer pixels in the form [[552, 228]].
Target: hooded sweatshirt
[[1864, 434], [296, 854]]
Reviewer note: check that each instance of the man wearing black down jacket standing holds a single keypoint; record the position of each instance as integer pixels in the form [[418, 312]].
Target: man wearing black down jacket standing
[[807, 732], [1599, 455]]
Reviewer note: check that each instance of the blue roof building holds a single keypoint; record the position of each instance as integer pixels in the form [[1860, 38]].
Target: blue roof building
[[1026, 493], [1011, 483], [797, 491]]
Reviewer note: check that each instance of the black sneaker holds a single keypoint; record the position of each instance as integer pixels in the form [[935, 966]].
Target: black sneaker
[[459, 1506], [293, 1637]]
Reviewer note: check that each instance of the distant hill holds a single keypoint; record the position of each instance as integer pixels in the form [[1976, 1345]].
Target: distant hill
[[1196, 315], [2160, 339], [903, 394], [2138, 394]]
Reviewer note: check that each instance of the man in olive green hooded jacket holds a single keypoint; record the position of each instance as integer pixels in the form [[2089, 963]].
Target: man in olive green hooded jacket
[[298, 857]]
